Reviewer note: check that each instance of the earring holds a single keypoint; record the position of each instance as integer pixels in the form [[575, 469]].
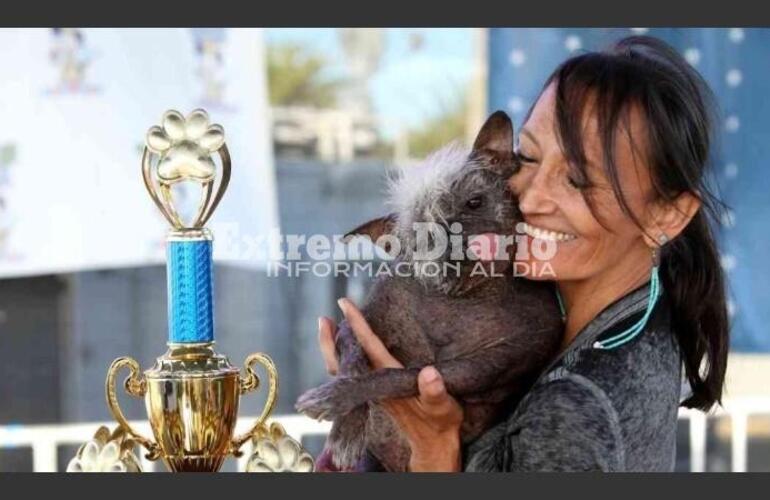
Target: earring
[[662, 240]]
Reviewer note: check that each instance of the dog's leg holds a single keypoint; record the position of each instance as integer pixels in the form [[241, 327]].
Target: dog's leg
[[478, 372], [346, 441], [352, 358]]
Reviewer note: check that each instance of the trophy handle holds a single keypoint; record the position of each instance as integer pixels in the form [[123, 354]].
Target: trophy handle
[[135, 386], [249, 383]]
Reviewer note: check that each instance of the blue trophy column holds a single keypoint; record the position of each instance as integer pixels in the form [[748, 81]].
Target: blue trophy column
[[190, 291]]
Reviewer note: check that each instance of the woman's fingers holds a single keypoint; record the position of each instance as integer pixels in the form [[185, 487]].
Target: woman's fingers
[[433, 402], [434, 412], [434, 398], [373, 347], [431, 386], [326, 332], [431, 416]]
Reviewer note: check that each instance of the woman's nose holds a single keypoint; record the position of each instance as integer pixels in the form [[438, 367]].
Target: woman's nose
[[532, 187]]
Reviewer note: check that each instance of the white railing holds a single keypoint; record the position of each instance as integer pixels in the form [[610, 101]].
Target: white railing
[[738, 410], [45, 439]]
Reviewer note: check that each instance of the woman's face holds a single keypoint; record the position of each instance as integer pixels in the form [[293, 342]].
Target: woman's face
[[554, 207]]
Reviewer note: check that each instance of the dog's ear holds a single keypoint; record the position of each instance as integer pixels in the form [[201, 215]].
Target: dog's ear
[[496, 135], [374, 229]]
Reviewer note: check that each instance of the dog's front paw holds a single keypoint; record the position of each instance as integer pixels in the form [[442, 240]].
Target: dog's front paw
[[328, 401]]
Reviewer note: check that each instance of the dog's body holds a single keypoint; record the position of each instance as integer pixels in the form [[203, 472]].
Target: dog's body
[[488, 333]]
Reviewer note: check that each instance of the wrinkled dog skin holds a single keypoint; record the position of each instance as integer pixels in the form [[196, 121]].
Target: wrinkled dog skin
[[489, 335]]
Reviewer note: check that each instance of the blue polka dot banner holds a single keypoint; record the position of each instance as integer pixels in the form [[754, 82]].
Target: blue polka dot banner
[[736, 64]]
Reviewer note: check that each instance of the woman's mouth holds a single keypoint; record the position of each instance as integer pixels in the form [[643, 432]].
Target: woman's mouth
[[542, 233]]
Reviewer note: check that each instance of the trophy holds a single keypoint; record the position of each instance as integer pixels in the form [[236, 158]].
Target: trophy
[[192, 392]]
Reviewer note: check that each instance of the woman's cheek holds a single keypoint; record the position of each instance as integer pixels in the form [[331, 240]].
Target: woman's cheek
[[539, 259], [569, 261]]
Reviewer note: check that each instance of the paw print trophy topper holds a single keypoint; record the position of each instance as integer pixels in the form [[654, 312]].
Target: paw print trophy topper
[[181, 150], [192, 393]]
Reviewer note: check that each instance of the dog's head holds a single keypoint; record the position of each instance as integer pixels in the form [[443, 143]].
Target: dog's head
[[456, 200]]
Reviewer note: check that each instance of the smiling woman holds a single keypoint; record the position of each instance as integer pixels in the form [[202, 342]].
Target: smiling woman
[[614, 156], [614, 165], [615, 153]]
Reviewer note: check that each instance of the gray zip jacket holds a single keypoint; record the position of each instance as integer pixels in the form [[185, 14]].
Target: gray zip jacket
[[595, 409]]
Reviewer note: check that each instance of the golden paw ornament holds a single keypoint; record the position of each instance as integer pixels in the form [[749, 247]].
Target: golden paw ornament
[[275, 451], [106, 452]]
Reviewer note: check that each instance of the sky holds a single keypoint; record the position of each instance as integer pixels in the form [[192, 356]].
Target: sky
[[410, 85]]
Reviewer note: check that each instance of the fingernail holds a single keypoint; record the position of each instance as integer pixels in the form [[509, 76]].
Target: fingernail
[[320, 323], [431, 374], [341, 302]]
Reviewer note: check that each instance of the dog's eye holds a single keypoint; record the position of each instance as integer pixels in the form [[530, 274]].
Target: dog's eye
[[474, 202]]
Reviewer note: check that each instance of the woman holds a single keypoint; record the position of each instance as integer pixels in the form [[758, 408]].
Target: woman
[[614, 155]]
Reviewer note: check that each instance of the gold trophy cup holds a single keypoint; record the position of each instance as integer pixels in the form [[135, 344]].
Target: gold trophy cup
[[192, 396]]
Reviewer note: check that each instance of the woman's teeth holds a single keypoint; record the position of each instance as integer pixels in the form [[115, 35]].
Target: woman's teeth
[[544, 234]]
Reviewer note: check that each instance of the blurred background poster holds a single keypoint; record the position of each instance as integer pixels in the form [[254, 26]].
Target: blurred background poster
[[76, 110]]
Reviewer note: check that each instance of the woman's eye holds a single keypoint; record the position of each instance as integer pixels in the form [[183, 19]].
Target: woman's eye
[[526, 159], [576, 184], [474, 202]]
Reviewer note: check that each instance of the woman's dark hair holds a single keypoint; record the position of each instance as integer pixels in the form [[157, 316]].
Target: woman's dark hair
[[678, 109]]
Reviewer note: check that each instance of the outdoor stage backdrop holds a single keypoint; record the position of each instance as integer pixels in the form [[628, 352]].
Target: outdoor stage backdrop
[[736, 63]]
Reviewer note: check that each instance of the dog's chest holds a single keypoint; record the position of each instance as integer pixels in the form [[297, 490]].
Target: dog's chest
[[420, 328], [457, 327]]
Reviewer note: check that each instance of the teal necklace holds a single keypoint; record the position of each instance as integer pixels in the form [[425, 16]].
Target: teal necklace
[[637, 328]]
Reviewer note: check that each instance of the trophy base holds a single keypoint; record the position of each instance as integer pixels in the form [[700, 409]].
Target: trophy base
[[194, 464]]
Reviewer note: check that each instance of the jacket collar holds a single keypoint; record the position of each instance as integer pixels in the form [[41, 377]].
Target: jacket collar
[[618, 311], [626, 306]]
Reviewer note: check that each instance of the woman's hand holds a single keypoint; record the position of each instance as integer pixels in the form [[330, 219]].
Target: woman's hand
[[430, 421]]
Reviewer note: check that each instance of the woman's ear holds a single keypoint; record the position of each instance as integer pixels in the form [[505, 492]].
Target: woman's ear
[[670, 218]]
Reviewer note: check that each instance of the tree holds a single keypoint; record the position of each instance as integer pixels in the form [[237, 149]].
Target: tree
[[295, 78], [447, 125]]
